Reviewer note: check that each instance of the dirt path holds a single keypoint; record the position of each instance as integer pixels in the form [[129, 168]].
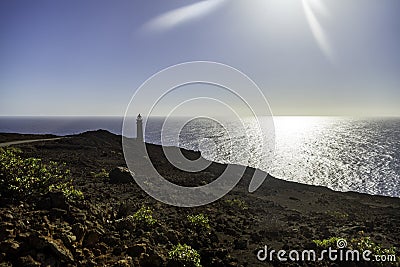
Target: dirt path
[[27, 141]]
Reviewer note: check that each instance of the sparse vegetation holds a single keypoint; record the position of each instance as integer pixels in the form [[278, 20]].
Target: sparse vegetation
[[337, 214], [238, 203], [184, 255], [24, 179], [143, 216], [325, 243], [365, 243], [200, 221], [120, 225], [361, 244], [102, 174]]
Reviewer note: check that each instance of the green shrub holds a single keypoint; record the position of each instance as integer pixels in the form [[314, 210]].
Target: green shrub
[[24, 179], [102, 174], [200, 221], [238, 203], [184, 255], [325, 243], [361, 244], [365, 243], [143, 216]]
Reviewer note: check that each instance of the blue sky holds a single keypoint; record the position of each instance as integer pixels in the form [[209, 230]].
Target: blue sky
[[310, 57]]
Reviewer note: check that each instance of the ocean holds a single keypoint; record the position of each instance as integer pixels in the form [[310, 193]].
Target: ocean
[[341, 153]]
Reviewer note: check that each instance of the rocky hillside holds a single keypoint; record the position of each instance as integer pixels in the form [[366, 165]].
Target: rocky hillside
[[118, 224]]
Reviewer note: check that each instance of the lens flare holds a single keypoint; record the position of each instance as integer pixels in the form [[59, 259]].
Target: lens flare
[[311, 7]]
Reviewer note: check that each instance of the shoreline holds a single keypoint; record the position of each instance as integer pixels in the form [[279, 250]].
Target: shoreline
[[9, 139]]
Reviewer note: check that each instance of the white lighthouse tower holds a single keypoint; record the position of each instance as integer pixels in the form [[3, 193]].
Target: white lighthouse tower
[[139, 128]]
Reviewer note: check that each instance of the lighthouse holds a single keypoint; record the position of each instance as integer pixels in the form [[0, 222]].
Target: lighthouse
[[139, 128]]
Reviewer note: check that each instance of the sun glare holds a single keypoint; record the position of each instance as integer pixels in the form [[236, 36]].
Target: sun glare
[[311, 9]]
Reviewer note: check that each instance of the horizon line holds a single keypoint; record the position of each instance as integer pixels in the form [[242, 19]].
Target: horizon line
[[185, 116]]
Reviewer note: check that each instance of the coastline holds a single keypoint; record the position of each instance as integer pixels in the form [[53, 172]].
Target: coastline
[[280, 214]]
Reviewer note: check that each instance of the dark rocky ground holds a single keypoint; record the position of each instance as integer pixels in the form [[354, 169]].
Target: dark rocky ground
[[95, 232]]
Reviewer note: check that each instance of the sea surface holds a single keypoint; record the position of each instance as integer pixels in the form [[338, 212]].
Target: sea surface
[[344, 154]]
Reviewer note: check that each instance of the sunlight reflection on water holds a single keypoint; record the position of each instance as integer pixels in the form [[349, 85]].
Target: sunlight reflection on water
[[344, 154]]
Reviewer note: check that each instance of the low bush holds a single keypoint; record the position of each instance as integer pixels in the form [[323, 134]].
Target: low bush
[[24, 179], [325, 243], [143, 216], [200, 221], [361, 244], [238, 203], [365, 243], [102, 174], [184, 255]]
